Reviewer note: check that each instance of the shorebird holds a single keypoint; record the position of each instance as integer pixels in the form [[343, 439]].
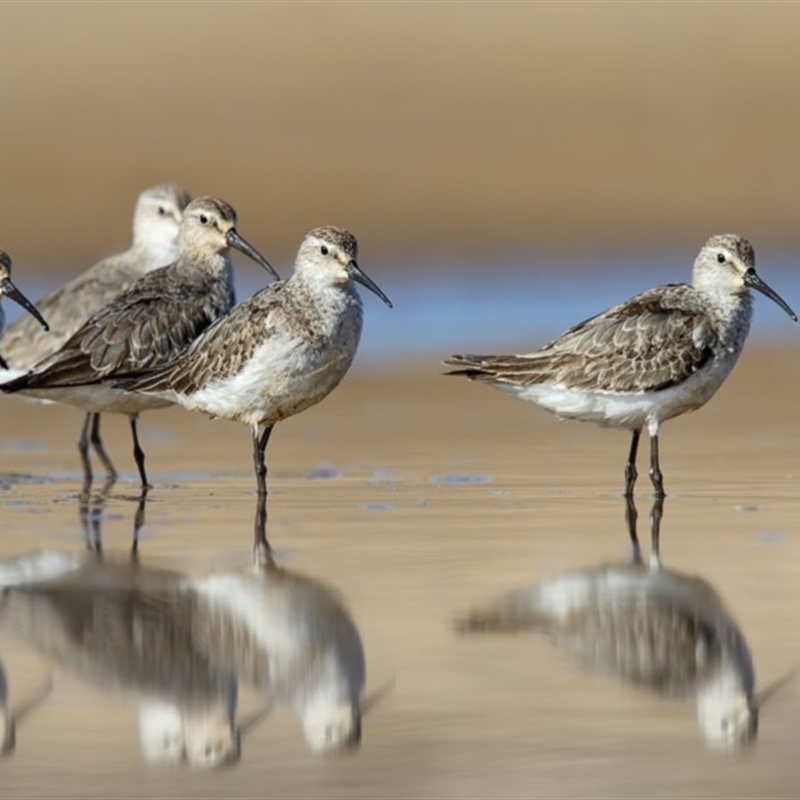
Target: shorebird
[[156, 219], [655, 627], [278, 352], [147, 325], [7, 289], [660, 354]]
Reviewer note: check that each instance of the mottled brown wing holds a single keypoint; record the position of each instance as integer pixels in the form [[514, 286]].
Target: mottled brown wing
[[157, 318], [653, 341], [66, 308], [222, 350]]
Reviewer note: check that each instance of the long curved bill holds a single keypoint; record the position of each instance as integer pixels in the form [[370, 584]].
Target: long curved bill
[[252, 720], [355, 272], [770, 691], [372, 700], [234, 240], [752, 280], [12, 293]]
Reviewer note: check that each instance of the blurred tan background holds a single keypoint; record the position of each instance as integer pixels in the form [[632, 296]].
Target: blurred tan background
[[537, 141], [452, 130]]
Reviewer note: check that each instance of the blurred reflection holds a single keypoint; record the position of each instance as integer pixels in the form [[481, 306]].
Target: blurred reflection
[[91, 512], [180, 646], [631, 521], [11, 718], [649, 625]]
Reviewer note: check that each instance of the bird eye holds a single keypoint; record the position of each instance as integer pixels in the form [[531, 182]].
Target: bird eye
[[203, 219], [323, 250], [162, 210], [721, 258]]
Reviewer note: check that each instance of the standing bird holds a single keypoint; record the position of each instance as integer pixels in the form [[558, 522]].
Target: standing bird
[[277, 353], [7, 289], [147, 325], [156, 220], [658, 355]]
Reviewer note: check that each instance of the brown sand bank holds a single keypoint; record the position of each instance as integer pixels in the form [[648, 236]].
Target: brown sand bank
[[457, 129], [408, 551]]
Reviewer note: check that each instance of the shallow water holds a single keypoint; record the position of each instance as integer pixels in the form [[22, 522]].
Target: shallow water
[[518, 304], [417, 498]]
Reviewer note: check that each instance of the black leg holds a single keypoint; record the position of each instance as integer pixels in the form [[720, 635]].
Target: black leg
[[655, 470], [630, 468], [83, 449], [260, 440], [91, 507], [263, 552], [138, 522], [85, 513], [138, 453], [97, 444], [656, 514], [631, 517]]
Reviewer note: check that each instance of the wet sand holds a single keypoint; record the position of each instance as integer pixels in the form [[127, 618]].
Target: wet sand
[[418, 497]]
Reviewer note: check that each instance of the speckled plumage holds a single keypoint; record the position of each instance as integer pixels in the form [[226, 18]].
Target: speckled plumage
[[659, 628], [155, 244], [291, 318], [148, 324], [279, 352], [652, 342], [658, 355], [156, 221]]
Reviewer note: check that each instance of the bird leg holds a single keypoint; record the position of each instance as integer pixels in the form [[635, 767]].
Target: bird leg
[[138, 453], [138, 522], [90, 507], [655, 470], [83, 449], [630, 468], [97, 444], [85, 512], [260, 440], [656, 514], [631, 517]]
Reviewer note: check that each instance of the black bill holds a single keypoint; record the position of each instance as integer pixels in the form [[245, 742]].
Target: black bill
[[12, 293], [234, 240], [354, 271], [752, 280]]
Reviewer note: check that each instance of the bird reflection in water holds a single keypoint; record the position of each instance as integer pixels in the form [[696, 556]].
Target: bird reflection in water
[[91, 512], [181, 645], [10, 718], [649, 625]]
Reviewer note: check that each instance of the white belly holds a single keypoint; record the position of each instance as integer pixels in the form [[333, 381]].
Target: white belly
[[281, 379], [632, 410], [98, 399]]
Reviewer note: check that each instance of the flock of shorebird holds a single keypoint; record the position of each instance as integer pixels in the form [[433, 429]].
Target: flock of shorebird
[[158, 325]]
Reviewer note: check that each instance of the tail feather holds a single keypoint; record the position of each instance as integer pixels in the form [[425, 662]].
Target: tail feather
[[504, 619], [525, 369]]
